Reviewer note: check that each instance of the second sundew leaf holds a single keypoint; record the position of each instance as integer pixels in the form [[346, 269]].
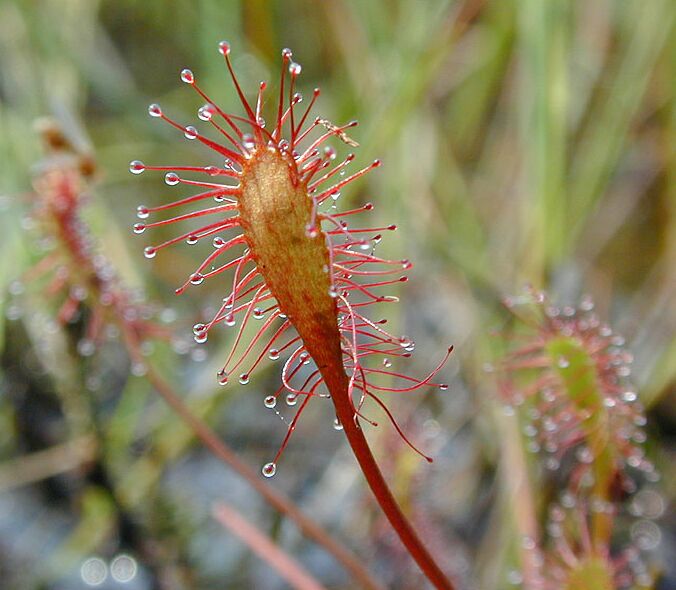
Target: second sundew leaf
[[578, 372], [573, 370]]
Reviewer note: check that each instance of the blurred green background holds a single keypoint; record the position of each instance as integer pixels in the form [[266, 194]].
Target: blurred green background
[[523, 141]]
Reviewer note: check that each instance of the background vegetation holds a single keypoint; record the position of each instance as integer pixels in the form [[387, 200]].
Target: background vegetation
[[523, 142]]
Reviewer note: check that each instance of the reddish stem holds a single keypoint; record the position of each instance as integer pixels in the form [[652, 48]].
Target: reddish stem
[[336, 381]]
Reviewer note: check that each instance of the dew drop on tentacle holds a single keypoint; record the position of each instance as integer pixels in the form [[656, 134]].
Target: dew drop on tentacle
[[86, 347], [248, 141], [273, 354], [136, 167], [270, 401], [291, 399], [150, 252], [206, 112], [190, 132], [224, 48], [244, 378], [295, 68], [187, 76], [139, 228], [218, 242], [337, 424], [154, 110], [629, 396], [142, 212], [171, 178], [222, 376], [269, 469], [405, 342]]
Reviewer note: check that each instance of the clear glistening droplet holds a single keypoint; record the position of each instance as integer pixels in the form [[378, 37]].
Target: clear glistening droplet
[[154, 110], [187, 76], [269, 469], [136, 167], [206, 112]]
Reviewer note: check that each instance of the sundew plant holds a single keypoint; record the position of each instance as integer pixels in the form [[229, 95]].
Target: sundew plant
[[249, 342], [298, 267]]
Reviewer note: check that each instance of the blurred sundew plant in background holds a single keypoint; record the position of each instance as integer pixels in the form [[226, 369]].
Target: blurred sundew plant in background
[[522, 143]]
